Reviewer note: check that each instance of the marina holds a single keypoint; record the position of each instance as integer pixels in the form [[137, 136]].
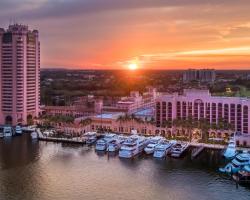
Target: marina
[[124, 100], [43, 170], [134, 145]]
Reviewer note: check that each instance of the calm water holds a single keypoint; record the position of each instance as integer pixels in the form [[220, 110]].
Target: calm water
[[40, 170]]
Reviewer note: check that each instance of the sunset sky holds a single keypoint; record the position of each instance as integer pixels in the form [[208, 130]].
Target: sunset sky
[[155, 34]]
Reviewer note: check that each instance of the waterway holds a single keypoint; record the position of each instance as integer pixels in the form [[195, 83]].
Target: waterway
[[44, 170]]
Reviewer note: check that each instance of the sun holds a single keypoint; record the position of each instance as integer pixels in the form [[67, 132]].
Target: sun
[[132, 66]]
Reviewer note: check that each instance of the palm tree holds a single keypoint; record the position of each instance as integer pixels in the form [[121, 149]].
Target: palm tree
[[214, 126], [138, 120], [180, 123], [86, 121], [189, 125], [204, 126], [30, 120], [166, 124], [120, 118], [221, 124]]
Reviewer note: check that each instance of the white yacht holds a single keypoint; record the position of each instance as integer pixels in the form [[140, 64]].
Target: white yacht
[[178, 149], [18, 130], [102, 144], [230, 152], [241, 160], [116, 144], [149, 149], [90, 137], [34, 135], [7, 131], [162, 149], [132, 146]]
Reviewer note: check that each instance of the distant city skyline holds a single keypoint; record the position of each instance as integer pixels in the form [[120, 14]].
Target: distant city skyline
[[158, 34]]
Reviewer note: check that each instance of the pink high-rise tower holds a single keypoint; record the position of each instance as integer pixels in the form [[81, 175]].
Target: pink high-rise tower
[[19, 74]]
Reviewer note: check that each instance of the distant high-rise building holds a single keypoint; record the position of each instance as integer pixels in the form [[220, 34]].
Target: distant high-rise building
[[202, 75], [19, 74]]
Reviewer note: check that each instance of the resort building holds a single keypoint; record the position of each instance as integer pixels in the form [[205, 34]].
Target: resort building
[[202, 75], [200, 104], [142, 105], [112, 122], [77, 110], [135, 102], [19, 74], [74, 111]]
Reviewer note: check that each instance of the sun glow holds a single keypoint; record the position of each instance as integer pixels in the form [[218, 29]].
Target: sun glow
[[132, 66]]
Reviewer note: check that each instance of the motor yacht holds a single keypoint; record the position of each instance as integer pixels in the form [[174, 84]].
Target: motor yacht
[[149, 149], [238, 163], [230, 152], [34, 135], [18, 130], [132, 146], [102, 144], [116, 144], [243, 175], [178, 149], [7, 131], [90, 137], [162, 149]]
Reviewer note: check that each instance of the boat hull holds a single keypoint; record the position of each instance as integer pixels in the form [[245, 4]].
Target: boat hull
[[159, 154], [100, 147], [90, 141], [128, 154], [112, 148], [149, 151]]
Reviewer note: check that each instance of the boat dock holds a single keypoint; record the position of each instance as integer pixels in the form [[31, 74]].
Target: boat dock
[[216, 146], [63, 140], [76, 140], [197, 151]]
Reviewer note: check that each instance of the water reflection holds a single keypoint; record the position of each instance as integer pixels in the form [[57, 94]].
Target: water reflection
[[43, 170], [17, 152]]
